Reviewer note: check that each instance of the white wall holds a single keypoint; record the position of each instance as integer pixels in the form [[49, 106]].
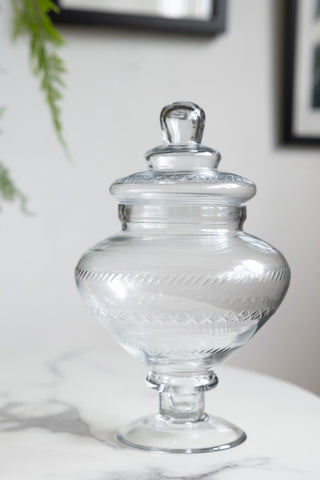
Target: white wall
[[117, 83]]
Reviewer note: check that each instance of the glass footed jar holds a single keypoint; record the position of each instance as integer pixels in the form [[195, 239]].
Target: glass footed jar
[[182, 286]]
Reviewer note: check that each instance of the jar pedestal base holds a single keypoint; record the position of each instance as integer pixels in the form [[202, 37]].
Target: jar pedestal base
[[157, 433]]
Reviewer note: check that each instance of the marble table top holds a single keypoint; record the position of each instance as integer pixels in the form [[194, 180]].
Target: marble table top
[[58, 414]]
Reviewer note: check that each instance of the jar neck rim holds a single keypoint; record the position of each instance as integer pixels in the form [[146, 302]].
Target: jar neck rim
[[182, 218]]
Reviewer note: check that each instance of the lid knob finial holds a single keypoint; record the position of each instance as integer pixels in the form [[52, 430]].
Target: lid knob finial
[[182, 123]]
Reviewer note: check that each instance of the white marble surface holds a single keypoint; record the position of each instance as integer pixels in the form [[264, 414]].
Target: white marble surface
[[58, 414]]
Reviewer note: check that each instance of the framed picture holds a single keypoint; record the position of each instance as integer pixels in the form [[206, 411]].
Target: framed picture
[[302, 75], [202, 17]]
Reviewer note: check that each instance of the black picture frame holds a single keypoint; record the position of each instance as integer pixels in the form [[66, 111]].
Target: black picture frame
[[291, 135], [215, 25]]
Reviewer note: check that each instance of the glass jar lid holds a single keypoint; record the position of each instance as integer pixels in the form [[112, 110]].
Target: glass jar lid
[[182, 170]]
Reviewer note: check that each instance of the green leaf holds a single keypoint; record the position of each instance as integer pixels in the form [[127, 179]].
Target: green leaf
[[9, 192], [31, 17]]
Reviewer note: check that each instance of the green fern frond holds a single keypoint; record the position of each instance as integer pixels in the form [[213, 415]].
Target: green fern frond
[[31, 17], [9, 192]]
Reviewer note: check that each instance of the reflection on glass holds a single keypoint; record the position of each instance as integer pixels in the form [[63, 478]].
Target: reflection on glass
[[180, 9], [316, 79]]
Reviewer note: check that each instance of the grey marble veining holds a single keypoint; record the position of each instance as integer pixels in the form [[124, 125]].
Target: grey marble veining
[[257, 465], [66, 420], [58, 416]]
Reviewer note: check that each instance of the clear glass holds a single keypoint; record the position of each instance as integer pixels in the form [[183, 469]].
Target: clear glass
[[182, 286]]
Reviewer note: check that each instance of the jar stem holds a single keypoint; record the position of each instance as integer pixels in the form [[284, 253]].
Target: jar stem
[[181, 398], [182, 407]]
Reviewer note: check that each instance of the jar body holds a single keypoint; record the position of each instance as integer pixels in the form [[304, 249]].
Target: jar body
[[183, 295]]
